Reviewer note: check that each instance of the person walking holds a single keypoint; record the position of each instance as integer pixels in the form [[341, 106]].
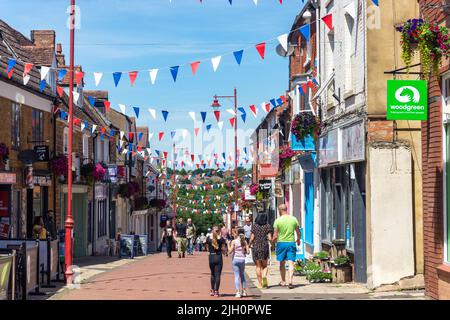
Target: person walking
[[49, 224], [285, 228], [180, 236], [216, 247], [261, 234], [201, 242], [248, 229], [191, 231], [167, 237], [238, 248]]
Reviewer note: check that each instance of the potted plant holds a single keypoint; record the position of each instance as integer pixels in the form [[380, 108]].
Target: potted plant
[[299, 268], [430, 39], [99, 172], [4, 155], [305, 124], [59, 166], [313, 272], [86, 172], [322, 256], [341, 270]]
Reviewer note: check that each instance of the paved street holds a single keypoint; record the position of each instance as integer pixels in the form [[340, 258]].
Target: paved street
[[157, 278]]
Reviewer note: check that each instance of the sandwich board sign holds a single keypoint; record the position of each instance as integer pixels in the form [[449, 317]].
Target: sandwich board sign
[[407, 100]]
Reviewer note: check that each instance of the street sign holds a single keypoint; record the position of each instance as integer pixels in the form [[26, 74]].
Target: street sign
[[407, 100], [42, 153]]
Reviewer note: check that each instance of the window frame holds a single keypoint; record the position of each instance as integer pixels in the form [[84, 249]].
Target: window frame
[[37, 126]]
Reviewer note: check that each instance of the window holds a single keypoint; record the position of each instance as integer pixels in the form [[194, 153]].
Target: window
[[101, 218], [37, 126], [15, 126], [85, 149], [349, 55], [66, 141]]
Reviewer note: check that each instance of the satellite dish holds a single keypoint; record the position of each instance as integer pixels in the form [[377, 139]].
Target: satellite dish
[[28, 156], [283, 53]]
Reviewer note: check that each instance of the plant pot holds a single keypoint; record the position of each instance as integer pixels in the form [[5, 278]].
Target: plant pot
[[342, 273]]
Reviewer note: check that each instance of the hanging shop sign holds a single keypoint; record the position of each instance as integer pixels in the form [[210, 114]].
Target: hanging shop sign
[[248, 195], [42, 152], [407, 100], [112, 173], [8, 178], [306, 144], [265, 185], [279, 190], [43, 181], [353, 142]]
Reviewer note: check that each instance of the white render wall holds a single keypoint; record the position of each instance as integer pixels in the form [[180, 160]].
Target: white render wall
[[391, 227], [355, 93]]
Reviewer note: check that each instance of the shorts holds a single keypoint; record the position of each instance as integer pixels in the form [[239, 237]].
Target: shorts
[[286, 251]]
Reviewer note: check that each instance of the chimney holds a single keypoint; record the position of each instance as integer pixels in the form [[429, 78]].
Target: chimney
[[43, 38], [59, 48], [60, 58]]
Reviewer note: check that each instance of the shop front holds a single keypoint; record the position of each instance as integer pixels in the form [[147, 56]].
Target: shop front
[[101, 217], [37, 197], [342, 173], [7, 220]]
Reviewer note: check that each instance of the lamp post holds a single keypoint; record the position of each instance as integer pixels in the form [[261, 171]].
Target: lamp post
[[217, 105], [69, 224]]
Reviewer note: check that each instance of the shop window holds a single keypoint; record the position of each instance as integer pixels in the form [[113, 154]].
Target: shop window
[[15, 125], [37, 126], [85, 149], [349, 55], [101, 218]]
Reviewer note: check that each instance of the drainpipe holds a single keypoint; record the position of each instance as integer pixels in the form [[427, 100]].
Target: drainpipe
[[93, 202]]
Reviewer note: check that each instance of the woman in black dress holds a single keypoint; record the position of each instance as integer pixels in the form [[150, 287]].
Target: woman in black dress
[[259, 242]]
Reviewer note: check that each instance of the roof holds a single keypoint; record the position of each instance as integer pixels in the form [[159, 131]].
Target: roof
[[97, 94]]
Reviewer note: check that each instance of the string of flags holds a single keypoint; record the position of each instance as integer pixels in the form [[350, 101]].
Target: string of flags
[[79, 76]]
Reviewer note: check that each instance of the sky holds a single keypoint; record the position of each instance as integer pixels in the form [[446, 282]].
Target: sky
[[117, 35]]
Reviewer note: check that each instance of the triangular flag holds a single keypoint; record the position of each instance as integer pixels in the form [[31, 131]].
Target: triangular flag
[[130, 137], [136, 111], [254, 110], [283, 40], [79, 75], [107, 105], [208, 127], [44, 72], [76, 96], [91, 101], [60, 91], [152, 113], [232, 121], [98, 77], [140, 136], [261, 48], [215, 62], [172, 134], [133, 75], [122, 108], [165, 114], [194, 67], [306, 32], [328, 20], [220, 125], [61, 74], [238, 56], [244, 117], [217, 114], [174, 72], [196, 130], [192, 115], [203, 114], [117, 76], [160, 135], [153, 73]]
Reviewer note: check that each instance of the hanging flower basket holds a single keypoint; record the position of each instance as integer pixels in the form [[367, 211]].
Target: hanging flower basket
[[86, 172], [430, 39], [286, 155], [59, 165], [254, 189], [305, 124], [99, 172], [128, 190]]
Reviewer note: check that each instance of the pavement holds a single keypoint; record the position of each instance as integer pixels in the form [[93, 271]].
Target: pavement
[[156, 277]]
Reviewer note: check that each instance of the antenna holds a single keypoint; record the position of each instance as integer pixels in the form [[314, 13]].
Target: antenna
[[283, 53]]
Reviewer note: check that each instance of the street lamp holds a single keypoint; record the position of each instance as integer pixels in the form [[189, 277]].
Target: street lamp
[[217, 105], [69, 224]]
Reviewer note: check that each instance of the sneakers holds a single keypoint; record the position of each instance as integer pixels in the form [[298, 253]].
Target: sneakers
[[216, 294], [238, 294], [211, 293], [244, 293]]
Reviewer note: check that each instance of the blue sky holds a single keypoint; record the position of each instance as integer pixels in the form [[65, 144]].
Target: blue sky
[[117, 35]]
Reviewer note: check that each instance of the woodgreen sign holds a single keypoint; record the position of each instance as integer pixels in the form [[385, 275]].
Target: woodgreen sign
[[407, 100]]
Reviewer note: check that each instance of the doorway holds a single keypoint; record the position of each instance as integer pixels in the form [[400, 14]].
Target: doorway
[[79, 213]]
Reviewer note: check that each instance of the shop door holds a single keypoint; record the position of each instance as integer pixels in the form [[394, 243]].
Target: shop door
[[79, 213], [309, 208], [359, 207]]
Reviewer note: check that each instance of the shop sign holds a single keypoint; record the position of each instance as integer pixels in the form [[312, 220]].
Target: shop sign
[[279, 190], [265, 185], [353, 142], [8, 178], [306, 144], [100, 192], [164, 218], [407, 100], [112, 173], [328, 148], [42, 152]]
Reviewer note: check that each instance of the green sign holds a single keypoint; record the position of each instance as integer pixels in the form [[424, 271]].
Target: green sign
[[407, 100]]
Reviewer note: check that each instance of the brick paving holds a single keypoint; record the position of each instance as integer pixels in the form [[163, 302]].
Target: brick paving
[[156, 278]]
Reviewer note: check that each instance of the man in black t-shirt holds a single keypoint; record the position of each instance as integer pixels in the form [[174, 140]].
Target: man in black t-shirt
[[180, 235]]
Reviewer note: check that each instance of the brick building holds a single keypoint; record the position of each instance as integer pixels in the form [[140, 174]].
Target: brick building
[[28, 122], [436, 168]]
